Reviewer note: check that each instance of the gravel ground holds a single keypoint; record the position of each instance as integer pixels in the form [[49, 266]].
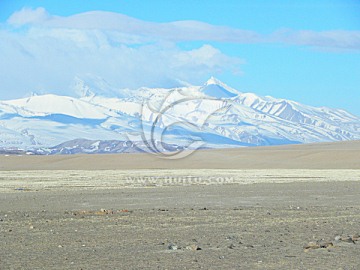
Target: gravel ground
[[298, 225]]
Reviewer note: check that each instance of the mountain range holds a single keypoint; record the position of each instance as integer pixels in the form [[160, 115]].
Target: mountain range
[[102, 119]]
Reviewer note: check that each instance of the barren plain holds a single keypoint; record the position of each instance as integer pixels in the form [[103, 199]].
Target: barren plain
[[288, 207]]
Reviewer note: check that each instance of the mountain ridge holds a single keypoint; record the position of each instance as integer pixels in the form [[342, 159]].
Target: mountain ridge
[[214, 114]]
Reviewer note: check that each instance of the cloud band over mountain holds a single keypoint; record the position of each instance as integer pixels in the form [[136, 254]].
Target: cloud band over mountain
[[182, 30], [51, 50]]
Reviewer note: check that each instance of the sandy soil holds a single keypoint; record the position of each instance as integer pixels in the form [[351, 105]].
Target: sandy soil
[[278, 216], [64, 180], [343, 155]]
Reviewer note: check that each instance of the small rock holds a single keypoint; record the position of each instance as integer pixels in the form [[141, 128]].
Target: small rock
[[173, 247], [318, 244], [311, 245], [348, 240], [60, 246], [193, 247], [104, 212], [31, 227], [326, 245], [337, 238], [355, 237], [231, 237]]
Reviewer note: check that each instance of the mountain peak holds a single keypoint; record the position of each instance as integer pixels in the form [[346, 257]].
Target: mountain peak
[[90, 85], [81, 88], [213, 80], [216, 88]]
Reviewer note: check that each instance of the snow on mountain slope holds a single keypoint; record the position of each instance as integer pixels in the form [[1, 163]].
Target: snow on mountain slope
[[214, 114], [52, 104], [333, 124], [48, 120], [10, 138], [46, 132], [115, 104], [249, 119]]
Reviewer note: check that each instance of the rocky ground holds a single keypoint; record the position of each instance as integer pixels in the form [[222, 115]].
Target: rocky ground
[[307, 225]]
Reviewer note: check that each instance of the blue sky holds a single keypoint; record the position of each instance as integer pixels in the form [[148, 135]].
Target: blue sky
[[308, 51]]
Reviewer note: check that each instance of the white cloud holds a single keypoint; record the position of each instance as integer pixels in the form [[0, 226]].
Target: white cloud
[[47, 59], [335, 39], [42, 52], [29, 16], [130, 30], [110, 21]]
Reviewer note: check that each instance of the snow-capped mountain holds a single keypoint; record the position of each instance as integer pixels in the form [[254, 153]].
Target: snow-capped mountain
[[217, 89], [90, 85], [105, 119]]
